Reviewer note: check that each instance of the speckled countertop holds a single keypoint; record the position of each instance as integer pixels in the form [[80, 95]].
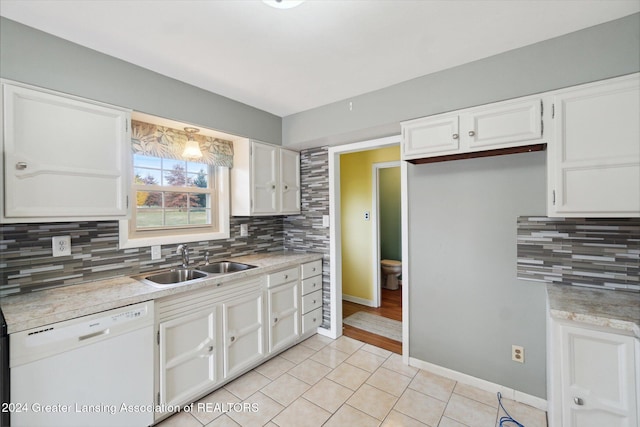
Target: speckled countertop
[[41, 308], [606, 308]]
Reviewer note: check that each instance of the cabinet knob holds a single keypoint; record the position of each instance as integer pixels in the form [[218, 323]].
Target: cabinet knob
[[233, 339], [286, 187], [313, 269], [21, 165], [578, 401], [210, 348], [314, 284], [314, 301], [471, 133], [286, 276], [273, 187], [314, 320], [275, 320], [455, 136]]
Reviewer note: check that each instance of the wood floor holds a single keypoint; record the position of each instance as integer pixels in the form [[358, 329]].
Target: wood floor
[[391, 308]]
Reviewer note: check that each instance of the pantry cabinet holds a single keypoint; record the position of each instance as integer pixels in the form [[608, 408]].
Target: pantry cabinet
[[594, 163], [65, 158], [594, 377], [265, 179], [494, 126]]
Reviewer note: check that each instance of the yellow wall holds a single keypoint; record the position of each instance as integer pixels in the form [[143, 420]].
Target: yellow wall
[[355, 199]]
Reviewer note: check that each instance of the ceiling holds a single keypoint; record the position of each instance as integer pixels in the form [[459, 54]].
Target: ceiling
[[323, 51]]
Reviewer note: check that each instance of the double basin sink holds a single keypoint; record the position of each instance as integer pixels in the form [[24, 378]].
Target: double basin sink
[[183, 275]]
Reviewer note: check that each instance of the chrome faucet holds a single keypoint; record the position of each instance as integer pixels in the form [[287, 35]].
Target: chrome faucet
[[184, 250]]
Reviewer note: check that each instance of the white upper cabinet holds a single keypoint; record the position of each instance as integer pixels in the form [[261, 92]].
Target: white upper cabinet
[[594, 163], [265, 179], [495, 126], [65, 158]]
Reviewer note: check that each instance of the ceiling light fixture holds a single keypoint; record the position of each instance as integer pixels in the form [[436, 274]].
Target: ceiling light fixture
[[283, 4], [192, 148]]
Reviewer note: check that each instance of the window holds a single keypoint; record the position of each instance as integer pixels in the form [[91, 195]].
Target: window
[[176, 200]]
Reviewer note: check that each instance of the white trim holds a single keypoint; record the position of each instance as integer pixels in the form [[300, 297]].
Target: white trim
[[506, 392], [335, 252], [358, 300], [375, 226], [404, 202]]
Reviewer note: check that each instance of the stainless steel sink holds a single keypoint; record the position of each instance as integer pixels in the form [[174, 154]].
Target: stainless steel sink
[[175, 276], [223, 267]]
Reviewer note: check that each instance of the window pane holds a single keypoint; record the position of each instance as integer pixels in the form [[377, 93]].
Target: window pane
[[177, 176], [147, 176], [200, 216], [148, 217], [199, 201], [194, 167], [174, 217], [198, 180], [147, 161], [150, 199]]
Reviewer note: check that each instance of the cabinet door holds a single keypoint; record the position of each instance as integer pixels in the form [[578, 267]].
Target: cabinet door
[[284, 316], [598, 379], [594, 165], [64, 157], [500, 125], [290, 182], [243, 333], [436, 135], [187, 357], [264, 178]]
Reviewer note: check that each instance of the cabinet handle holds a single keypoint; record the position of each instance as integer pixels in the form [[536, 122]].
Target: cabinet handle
[[455, 136], [578, 401], [210, 348], [471, 133], [21, 165]]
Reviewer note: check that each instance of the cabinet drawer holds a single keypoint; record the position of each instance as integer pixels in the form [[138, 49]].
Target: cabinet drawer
[[284, 276], [311, 284], [311, 320], [311, 269], [311, 301]]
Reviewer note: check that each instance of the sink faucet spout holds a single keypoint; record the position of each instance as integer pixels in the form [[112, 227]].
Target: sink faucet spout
[[184, 251]]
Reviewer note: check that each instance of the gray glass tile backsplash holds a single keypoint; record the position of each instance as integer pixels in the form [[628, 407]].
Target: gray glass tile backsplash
[[597, 252]]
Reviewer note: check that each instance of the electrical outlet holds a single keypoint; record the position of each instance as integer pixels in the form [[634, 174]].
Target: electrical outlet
[[517, 353], [244, 230], [325, 221], [61, 245]]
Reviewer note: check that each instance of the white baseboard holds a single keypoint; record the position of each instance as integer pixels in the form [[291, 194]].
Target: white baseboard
[[328, 333], [358, 300], [506, 392]]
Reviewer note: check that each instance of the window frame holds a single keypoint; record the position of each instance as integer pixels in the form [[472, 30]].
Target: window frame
[[218, 230]]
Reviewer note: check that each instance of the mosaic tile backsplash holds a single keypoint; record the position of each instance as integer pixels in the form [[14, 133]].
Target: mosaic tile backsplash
[[594, 252], [305, 232], [26, 263]]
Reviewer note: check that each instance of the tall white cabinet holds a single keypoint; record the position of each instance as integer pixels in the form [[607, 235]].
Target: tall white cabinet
[[65, 158], [265, 179], [594, 162]]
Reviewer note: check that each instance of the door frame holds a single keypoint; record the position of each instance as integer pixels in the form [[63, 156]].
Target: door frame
[[335, 252], [375, 220]]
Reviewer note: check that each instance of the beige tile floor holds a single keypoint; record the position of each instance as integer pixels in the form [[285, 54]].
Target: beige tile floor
[[347, 383]]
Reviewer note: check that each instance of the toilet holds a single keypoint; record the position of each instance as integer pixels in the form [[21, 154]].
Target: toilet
[[391, 269]]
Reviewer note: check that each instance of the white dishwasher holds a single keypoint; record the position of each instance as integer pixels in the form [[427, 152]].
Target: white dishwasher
[[95, 370]]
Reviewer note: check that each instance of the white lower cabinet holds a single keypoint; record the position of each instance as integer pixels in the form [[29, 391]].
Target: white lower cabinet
[[284, 315], [208, 337], [243, 324], [593, 377], [187, 356]]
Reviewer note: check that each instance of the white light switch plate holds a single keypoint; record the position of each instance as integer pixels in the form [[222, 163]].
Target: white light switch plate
[[156, 253], [325, 221], [61, 245]]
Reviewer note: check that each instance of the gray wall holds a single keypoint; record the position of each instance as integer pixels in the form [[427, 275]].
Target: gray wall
[[31, 56], [595, 53], [467, 307]]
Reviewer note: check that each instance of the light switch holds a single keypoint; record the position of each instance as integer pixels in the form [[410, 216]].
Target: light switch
[[325, 221], [244, 230], [156, 252]]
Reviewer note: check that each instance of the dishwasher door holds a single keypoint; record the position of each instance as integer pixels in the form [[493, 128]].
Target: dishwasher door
[[91, 371]]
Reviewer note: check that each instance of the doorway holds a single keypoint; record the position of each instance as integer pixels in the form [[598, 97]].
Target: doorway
[[366, 302]]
